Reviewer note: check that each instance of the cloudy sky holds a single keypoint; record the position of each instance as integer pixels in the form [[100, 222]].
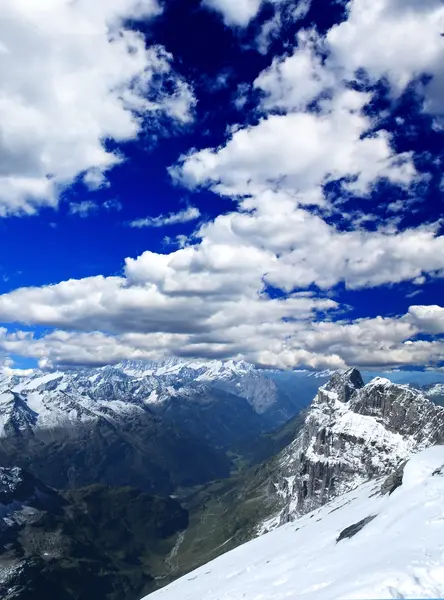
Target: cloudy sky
[[255, 179]]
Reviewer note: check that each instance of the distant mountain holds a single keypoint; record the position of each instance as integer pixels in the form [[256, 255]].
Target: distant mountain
[[159, 426], [435, 392], [77, 428], [379, 541], [96, 542]]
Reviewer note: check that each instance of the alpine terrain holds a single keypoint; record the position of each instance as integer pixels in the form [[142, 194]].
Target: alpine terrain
[[95, 542], [346, 500], [112, 440], [377, 541], [155, 426]]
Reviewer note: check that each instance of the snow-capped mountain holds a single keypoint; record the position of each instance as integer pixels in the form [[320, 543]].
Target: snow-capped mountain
[[375, 542], [135, 423], [152, 382], [352, 433], [236, 377], [237, 391], [78, 427], [435, 392]]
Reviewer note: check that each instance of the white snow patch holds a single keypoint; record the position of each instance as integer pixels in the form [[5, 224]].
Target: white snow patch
[[417, 471]]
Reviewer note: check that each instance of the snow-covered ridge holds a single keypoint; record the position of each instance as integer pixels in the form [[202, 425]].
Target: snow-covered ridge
[[41, 399], [364, 544]]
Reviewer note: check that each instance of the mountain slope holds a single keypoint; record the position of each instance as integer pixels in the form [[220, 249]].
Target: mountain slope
[[159, 426], [51, 426], [349, 435], [93, 542], [365, 544]]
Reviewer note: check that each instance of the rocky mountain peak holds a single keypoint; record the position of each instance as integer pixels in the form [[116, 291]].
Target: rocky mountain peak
[[344, 384], [353, 433]]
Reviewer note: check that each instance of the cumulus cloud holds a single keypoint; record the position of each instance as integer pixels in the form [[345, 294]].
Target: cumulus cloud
[[271, 342], [278, 167], [235, 12], [285, 11], [240, 289], [299, 152], [191, 213], [239, 13], [300, 249], [429, 319], [400, 40], [72, 76], [211, 299], [279, 82]]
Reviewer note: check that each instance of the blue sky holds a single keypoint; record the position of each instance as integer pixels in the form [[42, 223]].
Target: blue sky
[[222, 179]]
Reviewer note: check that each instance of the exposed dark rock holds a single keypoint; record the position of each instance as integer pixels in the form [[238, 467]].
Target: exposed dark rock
[[345, 384], [351, 531], [394, 480]]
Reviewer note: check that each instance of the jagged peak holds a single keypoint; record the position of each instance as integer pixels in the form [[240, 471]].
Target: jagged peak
[[344, 383]]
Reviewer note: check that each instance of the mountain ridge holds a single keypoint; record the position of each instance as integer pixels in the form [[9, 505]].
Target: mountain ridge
[[353, 432]]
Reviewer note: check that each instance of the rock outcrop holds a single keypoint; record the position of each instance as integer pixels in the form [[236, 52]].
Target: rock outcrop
[[353, 433]]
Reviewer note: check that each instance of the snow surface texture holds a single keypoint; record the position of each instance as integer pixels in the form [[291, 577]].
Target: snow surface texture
[[398, 554], [352, 434]]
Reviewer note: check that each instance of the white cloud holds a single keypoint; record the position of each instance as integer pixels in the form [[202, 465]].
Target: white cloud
[[112, 204], [278, 167], [291, 83], [396, 39], [83, 209], [191, 213], [239, 13], [235, 12], [299, 152], [72, 75], [262, 338], [210, 298], [299, 249], [285, 11], [429, 319]]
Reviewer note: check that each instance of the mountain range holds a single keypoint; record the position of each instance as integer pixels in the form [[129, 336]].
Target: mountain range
[[235, 451], [351, 433], [157, 426]]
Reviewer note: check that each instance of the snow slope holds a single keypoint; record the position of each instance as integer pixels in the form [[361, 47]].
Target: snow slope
[[398, 554]]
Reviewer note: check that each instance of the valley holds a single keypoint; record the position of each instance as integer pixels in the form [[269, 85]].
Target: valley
[[163, 468]]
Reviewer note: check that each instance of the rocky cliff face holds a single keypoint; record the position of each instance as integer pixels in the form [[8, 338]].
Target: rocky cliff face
[[352, 433]]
